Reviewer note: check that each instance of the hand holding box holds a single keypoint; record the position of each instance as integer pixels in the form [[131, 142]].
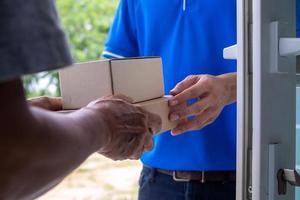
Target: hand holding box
[[140, 78]]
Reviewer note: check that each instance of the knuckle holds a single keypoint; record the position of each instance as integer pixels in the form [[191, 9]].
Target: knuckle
[[214, 97], [181, 84], [198, 109], [194, 93], [46, 100], [190, 77], [199, 122], [185, 127], [207, 80]]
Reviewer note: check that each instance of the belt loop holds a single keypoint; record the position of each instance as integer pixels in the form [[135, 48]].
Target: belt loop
[[152, 174], [177, 179]]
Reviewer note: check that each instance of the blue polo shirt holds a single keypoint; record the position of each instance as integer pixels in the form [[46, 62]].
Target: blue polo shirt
[[190, 37]]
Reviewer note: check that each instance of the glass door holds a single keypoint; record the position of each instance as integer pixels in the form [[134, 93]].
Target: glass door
[[265, 52], [274, 94]]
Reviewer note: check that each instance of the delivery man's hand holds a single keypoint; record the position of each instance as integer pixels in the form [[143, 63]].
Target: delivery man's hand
[[128, 129], [212, 94], [47, 103]]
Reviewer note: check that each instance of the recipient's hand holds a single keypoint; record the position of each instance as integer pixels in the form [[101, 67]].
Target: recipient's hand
[[212, 94], [48, 103], [128, 128]]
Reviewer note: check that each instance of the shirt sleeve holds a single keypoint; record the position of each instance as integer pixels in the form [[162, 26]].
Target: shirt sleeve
[[122, 40], [31, 38]]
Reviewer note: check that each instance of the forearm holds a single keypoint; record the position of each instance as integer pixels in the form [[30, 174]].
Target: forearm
[[39, 148], [230, 86]]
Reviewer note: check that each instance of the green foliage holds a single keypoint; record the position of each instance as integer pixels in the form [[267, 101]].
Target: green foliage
[[86, 23]]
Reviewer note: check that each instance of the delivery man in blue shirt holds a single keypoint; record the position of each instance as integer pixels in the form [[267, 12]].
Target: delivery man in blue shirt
[[190, 36]]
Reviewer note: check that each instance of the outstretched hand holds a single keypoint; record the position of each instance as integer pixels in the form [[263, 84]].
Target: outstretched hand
[[213, 93]]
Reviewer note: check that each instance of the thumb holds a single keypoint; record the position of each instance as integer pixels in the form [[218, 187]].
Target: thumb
[[154, 123]]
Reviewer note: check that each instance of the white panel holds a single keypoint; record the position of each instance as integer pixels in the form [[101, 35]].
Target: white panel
[[273, 95]]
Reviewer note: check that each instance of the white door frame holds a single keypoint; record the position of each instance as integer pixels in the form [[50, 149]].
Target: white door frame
[[266, 94], [244, 92]]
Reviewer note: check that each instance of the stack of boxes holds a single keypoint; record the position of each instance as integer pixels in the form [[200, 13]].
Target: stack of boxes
[[138, 78]]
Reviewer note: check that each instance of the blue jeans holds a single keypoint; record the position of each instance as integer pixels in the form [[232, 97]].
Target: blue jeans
[[158, 186]]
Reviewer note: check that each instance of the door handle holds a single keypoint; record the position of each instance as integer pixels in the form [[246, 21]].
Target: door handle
[[285, 176], [230, 53]]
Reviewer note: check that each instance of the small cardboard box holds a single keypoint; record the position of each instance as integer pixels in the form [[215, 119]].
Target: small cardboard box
[[84, 82], [160, 107], [139, 78]]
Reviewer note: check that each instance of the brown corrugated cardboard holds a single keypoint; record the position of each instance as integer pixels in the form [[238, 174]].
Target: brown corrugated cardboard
[[85, 82], [141, 78], [160, 107]]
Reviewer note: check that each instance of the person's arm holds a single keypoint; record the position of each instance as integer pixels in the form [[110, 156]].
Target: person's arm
[[39, 148], [213, 94]]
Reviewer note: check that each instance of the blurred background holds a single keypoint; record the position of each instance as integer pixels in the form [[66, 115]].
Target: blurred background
[[86, 23]]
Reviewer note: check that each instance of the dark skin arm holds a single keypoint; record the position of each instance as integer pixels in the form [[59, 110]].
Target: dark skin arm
[[38, 148]]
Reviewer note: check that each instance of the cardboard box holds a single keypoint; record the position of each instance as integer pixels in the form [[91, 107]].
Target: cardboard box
[[160, 107], [157, 106], [85, 82], [140, 78]]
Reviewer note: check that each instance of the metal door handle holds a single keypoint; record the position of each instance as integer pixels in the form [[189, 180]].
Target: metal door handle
[[285, 176]]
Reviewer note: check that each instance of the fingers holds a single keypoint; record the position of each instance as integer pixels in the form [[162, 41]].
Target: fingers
[[130, 127], [154, 123], [192, 92], [149, 144], [137, 144], [56, 103], [207, 117], [143, 140], [182, 121], [47, 103], [183, 85], [181, 112], [146, 144]]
